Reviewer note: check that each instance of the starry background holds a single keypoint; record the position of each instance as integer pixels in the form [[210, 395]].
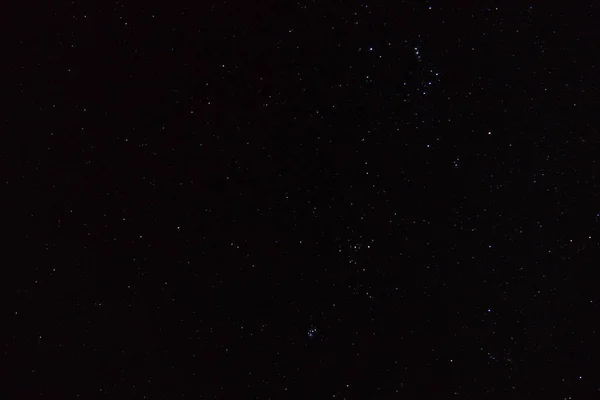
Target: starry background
[[303, 199]]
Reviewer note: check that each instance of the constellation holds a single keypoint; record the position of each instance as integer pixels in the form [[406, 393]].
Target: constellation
[[429, 75]]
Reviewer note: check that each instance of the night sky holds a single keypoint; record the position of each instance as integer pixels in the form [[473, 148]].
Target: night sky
[[299, 200]]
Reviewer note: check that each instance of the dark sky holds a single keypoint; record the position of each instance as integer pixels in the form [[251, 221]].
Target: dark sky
[[299, 200]]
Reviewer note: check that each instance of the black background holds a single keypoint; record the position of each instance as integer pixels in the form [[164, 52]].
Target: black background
[[299, 200]]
